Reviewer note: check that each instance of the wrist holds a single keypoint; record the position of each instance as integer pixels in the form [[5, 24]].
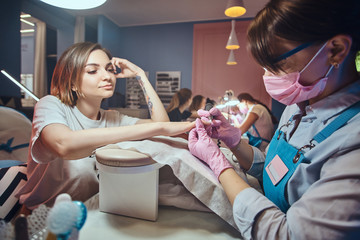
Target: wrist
[[234, 140], [244, 155], [222, 164], [236, 147], [140, 75]]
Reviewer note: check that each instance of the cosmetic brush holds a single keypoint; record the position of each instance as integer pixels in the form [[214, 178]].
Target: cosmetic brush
[[66, 218]]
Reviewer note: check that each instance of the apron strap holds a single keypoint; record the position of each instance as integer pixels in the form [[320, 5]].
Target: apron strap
[[338, 122], [257, 132]]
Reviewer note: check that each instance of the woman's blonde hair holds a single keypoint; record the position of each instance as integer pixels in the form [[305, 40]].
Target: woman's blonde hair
[[66, 80], [179, 99]]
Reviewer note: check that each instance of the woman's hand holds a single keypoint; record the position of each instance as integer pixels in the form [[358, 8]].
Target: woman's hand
[[203, 147], [156, 107], [128, 69], [221, 128]]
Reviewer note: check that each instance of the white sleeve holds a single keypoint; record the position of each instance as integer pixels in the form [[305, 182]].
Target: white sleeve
[[257, 166], [47, 111], [258, 110]]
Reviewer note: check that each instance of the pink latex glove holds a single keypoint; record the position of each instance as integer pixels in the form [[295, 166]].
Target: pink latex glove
[[203, 147], [220, 127]]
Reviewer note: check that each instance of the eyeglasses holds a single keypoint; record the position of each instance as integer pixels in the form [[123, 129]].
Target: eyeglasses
[[292, 52]]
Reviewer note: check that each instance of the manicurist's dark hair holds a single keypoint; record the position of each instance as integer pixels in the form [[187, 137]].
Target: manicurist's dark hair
[[301, 21]]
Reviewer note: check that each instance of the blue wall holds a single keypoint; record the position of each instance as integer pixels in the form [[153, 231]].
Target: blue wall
[[10, 47], [166, 47]]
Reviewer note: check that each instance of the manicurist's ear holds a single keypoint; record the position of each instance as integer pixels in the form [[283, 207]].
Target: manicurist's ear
[[340, 48]]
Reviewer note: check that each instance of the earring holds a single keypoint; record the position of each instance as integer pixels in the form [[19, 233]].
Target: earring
[[336, 65]]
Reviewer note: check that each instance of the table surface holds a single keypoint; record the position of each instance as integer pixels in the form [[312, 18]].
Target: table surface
[[173, 223]]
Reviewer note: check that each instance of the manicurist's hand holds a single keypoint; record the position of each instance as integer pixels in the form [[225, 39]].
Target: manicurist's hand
[[221, 128], [203, 147]]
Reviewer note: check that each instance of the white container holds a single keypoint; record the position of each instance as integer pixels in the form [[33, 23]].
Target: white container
[[128, 183]]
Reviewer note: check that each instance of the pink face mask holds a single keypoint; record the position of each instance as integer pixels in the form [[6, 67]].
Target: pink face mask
[[287, 89], [243, 108]]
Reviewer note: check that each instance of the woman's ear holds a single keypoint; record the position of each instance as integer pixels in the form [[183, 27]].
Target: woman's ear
[[76, 91], [74, 88], [340, 47]]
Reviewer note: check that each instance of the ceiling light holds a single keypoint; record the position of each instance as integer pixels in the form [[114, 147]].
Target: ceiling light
[[75, 4], [25, 15], [235, 8], [27, 22], [27, 30], [232, 41], [231, 60]]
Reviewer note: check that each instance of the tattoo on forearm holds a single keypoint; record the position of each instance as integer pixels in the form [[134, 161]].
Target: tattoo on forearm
[[150, 106], [147, 98]]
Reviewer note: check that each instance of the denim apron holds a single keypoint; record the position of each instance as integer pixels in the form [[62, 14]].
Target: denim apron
[[282, 159]]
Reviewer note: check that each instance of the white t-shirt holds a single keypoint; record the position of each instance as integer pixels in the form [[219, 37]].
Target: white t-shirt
[[263, 124], [49, 175]]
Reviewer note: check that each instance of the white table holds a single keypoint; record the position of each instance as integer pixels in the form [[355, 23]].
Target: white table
[[173, 223]]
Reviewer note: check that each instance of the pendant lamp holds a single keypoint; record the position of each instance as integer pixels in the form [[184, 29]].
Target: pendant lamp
[[235, 8], [231, 60], [232, 41], [75, 5]]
